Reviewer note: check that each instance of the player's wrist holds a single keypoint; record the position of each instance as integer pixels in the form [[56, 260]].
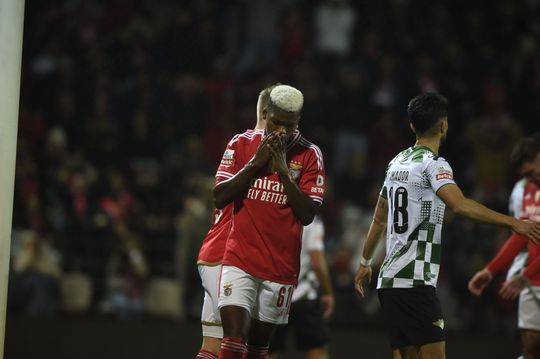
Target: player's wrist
[[365, 262], [283, 174], [252, 165]]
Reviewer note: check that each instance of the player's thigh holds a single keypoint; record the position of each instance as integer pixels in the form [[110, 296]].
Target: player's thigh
[[531, 343], [432, 351], [237, 288], [404, 353], [310, 328], [317, 353], [210, 316], [273, 303]]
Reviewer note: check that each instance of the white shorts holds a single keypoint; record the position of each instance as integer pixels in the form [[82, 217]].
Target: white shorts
[[264, 300], [529, 308], [210, 318]]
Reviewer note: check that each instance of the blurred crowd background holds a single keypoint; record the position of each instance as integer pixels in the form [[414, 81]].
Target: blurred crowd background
[[126, 107]]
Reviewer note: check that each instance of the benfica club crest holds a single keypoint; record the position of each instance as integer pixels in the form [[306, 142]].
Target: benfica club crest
[[294, 169], [227, 289]]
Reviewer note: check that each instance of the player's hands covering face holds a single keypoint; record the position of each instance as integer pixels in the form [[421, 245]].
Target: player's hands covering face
[[263, 153], [276, 146]]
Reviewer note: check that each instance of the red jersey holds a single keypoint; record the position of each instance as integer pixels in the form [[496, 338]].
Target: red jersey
[[213, 245], [266, 237], [531, 210]]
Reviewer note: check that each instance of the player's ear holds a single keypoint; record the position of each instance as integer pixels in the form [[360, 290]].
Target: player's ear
[[412, 127], [444, 125]]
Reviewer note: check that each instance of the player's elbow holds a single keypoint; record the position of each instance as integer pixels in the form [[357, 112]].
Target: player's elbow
[[307, 219], [458, 208], [219, 204], [219, 201]]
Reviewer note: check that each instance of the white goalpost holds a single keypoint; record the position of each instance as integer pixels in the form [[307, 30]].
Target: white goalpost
[[11, 30]]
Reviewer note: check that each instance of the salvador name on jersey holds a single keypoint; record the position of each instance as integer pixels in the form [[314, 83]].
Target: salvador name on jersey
[[265, 236], [415, 217]]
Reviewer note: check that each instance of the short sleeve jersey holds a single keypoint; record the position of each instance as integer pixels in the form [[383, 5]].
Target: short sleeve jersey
[[415, 218], [213, 245], [312, 240], [265, 236]]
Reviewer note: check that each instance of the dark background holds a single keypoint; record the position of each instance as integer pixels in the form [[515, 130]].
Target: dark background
[[126, 107]]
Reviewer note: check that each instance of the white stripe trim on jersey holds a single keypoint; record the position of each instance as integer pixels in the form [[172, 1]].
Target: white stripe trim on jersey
[[247, 135], [316, 198], [224, 174], [296, 137], [317, 150]]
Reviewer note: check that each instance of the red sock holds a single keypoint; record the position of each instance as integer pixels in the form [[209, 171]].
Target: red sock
[[256, 352], [205, 354], [232, 348]]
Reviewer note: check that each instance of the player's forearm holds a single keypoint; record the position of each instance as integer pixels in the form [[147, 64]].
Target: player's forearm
[[323, 275], [226, 191], [301, 204], [476, 211], [532, 268], [374, 235]]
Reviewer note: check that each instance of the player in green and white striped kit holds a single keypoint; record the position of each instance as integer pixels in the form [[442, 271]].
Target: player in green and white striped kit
[[414, 252], [418, 186]]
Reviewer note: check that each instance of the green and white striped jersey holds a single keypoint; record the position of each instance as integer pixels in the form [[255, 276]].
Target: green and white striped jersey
[[415, 218]]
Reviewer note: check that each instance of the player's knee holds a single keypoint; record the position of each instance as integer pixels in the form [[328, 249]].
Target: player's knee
[[235, 322]]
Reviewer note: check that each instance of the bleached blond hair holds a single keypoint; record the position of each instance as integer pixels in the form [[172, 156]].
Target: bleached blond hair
[[287, 98]]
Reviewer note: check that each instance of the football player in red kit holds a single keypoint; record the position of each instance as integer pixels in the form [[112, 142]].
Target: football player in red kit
[[526, 284], [275, 180]]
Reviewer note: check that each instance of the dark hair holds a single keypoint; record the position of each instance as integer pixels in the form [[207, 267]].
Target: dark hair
[[426, 110], [526, 150]]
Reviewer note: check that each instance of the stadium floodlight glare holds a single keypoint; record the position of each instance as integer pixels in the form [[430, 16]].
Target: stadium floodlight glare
[[11, 30]]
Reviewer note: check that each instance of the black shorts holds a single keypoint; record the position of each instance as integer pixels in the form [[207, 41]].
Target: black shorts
[[310, 329], [413, 316]]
